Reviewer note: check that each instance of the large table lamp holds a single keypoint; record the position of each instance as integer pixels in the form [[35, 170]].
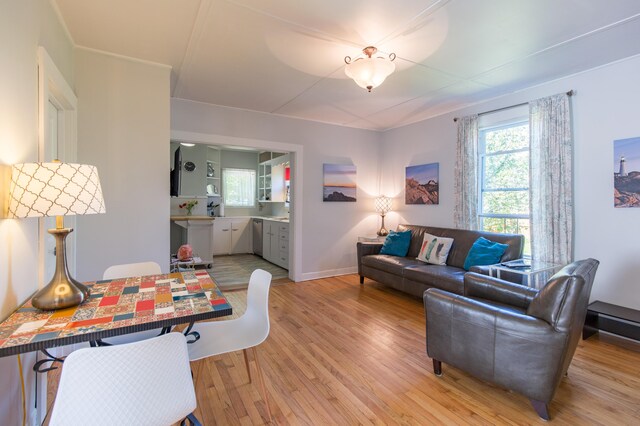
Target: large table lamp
[[382, 205], [56, 189]]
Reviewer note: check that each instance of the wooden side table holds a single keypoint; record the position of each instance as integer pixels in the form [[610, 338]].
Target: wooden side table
[[613, 319], [371, 239]]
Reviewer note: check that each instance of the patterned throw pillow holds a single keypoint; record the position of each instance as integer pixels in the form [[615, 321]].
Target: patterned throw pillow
[[434, 249]]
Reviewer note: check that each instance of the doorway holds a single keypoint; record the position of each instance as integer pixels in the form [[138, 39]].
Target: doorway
[[293, 209]]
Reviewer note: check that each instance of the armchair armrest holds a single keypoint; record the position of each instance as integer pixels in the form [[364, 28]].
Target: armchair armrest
[[484, 287], [365, 249]]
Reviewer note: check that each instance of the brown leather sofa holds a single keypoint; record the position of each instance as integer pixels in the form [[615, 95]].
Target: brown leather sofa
[[514, 336], [412, 276]]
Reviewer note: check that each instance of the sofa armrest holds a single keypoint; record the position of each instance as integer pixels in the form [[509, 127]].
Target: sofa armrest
[[484, 287], [365, 249]]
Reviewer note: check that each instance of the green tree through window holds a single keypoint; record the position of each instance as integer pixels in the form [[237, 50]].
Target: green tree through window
[[504, 180]]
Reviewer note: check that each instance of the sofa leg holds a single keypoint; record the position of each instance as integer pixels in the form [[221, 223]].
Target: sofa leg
[[361, 279], [437, 367], [541, 408]]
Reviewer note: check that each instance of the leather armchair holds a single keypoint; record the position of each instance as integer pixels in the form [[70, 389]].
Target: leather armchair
[[516, 337]]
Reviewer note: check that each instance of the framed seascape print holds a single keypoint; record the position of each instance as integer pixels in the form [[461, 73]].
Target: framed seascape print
[[339, 182], [626, 172], [421, 184]]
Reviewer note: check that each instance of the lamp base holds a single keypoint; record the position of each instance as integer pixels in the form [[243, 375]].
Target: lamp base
[[62, 291], [383, 232]]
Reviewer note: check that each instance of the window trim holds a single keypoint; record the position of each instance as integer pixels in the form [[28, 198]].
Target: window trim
[[252, 199]]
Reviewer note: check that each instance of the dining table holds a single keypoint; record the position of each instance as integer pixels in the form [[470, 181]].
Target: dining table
[[115, 307]]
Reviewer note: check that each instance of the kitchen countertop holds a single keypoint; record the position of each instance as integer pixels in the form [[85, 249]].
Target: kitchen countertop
[[272, 218], [185, 217], [194, 217]]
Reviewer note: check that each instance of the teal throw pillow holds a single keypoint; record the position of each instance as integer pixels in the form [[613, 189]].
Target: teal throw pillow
[[396, 243], [484, 252]]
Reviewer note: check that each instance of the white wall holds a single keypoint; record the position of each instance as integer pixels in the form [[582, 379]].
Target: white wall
[[123, 129], [24, 25], [605, 108], [330, 230]]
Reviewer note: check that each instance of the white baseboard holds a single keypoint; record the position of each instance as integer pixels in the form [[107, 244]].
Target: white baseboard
[[329, 273]]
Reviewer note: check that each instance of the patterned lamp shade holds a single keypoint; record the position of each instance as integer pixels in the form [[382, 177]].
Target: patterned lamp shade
[[382, 204], [54, 189]]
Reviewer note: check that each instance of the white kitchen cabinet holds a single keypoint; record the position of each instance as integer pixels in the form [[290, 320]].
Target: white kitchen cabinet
[[271, 176], [231, 235], [283, 246], [240, 236], [199, 237], [268, 231], [275, 243], [221, 236], [277, 183]]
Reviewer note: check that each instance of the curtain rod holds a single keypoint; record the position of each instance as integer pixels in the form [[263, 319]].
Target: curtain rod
[[569, 93]]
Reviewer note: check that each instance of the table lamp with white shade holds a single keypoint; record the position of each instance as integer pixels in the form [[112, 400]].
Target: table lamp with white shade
[[56, 189], [382, 205]]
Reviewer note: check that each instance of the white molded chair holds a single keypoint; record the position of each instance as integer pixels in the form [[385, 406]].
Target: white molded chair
[[246, 332], [132, 270], [141, 383]]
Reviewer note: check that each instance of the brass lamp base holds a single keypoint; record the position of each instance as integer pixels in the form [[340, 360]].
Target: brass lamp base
[[383, 231], [62, 291]]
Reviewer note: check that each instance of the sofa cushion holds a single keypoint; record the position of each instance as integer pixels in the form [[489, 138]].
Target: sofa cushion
[[435, 249], [484, 252], [396, 243], [391, 264], [463, 239], [447, 278]]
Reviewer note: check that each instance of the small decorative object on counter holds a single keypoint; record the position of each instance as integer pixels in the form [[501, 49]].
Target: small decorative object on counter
[[185, 252], [189, 205]]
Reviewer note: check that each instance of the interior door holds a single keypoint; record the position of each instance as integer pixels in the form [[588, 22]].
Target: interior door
[[57, 131]]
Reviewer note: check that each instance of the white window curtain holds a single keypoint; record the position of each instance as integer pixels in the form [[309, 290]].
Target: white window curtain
[[465, 213], [239, 187], [551, 198]]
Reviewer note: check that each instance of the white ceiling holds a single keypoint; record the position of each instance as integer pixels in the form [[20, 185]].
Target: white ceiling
[[287, 56]]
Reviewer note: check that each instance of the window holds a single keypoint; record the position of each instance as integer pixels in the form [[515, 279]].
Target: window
[[504, 179], [239, 187]]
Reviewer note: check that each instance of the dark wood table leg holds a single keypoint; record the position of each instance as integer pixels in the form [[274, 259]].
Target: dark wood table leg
[[590, 325]]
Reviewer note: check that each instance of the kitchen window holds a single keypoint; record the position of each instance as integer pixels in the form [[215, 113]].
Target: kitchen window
[[239, 187], [504, 180]]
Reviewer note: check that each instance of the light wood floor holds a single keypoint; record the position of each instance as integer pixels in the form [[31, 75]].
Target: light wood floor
[[341, 353]]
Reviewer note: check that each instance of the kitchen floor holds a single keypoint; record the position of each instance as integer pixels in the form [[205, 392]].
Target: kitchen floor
[[234, 271]]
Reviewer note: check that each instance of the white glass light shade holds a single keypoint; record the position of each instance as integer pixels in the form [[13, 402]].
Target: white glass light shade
[[369, 73], [54, 189], [382, 204]]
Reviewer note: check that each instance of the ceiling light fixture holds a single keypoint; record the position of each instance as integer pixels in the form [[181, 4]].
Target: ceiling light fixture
[[369, 71]]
